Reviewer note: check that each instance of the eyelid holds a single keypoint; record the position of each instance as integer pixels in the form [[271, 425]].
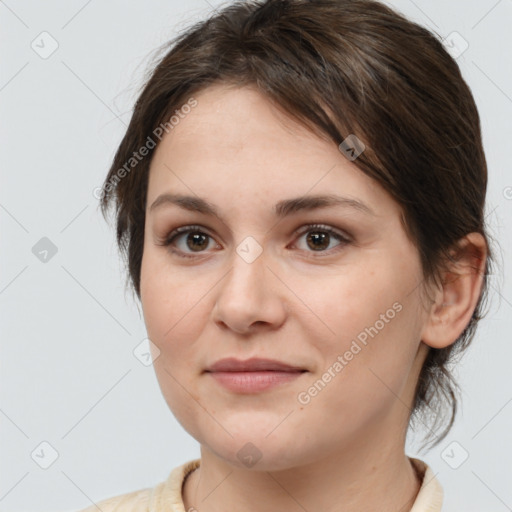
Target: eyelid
[[323, 227]]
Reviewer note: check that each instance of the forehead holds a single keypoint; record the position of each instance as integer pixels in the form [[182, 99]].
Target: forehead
[[236, 143], [229, 118]]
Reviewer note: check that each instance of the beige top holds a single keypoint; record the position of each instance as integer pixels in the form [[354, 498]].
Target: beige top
[[167, 497]]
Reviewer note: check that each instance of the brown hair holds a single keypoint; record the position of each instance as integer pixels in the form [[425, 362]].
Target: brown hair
[[339, 67]]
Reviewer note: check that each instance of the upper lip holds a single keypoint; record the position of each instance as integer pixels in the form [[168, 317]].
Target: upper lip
[[254, 364]]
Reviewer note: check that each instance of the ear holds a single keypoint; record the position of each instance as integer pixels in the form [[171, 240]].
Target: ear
[[455, 301]]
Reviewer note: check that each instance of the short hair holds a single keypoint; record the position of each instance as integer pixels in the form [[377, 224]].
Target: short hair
[[340, 68]]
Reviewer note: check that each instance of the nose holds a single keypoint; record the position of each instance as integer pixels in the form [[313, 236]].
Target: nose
[[250, 297]]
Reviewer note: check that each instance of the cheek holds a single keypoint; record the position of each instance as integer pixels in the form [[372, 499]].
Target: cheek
[[175, 308], [172, 310], [163, 294], [370, 319], [345, 305]]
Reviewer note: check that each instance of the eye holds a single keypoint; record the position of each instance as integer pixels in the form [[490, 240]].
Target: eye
[[187, 240], [192, 238], [320, 237]]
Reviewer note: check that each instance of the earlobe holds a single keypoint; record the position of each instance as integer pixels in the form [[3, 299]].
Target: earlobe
[[457, 298]]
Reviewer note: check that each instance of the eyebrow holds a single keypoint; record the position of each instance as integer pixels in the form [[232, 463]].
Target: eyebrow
[[282, 209]]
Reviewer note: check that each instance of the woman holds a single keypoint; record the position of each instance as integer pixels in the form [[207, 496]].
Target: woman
[[300, 197]]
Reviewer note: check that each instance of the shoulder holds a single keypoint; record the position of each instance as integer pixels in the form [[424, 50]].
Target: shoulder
[[150, 499], [431, 494]]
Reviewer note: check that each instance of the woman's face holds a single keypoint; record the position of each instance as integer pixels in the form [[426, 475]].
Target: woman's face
[[340, 300]]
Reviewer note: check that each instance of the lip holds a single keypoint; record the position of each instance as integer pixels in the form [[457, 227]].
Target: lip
[[252, 375], [254, 364]]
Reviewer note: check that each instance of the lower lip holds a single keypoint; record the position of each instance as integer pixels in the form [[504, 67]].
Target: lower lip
[[253, 382]]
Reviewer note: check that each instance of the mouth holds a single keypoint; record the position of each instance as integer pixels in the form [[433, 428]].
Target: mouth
[[253, 375], [254, 364]]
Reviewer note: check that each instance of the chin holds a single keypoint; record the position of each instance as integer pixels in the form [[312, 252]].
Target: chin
[[259, 453]]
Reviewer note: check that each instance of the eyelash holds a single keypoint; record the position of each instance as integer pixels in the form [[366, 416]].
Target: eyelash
[[170, 239]]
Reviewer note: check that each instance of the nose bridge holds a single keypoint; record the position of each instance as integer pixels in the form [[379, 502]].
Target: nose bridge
[[248, 268], [246, 295]]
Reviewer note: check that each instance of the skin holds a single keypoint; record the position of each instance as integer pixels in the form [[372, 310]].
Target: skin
[[344, 450]]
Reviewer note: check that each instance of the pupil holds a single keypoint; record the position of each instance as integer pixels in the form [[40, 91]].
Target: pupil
[[317, 236]]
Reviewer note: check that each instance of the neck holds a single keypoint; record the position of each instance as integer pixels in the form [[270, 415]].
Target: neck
[[362, 479]]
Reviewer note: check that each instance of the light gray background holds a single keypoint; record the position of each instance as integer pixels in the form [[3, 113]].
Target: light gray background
[[68, 330]]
